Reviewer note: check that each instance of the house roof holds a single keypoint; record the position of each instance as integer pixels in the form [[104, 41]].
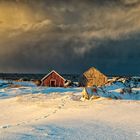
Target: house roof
[[51, 73]]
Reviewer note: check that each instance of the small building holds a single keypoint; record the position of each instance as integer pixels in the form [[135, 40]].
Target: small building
[[92, 77], [53, 79]]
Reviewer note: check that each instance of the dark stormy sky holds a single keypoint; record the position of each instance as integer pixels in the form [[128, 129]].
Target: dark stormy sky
[[70, 36]]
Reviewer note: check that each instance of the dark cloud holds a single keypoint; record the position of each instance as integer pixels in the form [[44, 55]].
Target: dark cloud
[[70, 36]]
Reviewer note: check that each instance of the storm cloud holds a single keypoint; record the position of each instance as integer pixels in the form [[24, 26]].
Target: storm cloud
[[70, 36]]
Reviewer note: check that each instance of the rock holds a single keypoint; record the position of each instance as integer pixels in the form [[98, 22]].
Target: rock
[[89, 93], [37, 82], [85, 94]]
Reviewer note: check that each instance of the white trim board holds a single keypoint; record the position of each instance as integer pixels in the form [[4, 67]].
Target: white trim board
[[50, 74]]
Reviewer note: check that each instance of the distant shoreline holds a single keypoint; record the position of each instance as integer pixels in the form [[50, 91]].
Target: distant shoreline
[[38, 76], [29, 76]]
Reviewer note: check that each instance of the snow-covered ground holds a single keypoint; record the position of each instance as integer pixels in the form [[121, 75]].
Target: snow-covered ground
[[29, 112]]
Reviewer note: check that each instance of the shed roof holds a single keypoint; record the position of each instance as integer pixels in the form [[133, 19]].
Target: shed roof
[[50, 74]]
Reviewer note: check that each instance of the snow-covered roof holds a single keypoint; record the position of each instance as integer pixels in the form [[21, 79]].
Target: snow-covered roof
[[51, 73]]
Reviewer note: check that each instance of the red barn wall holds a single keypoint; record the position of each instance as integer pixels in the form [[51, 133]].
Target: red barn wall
[[53, 76]]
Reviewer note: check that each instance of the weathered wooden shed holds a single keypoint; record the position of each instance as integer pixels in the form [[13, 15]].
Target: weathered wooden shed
[[53, 79], [92, 77]]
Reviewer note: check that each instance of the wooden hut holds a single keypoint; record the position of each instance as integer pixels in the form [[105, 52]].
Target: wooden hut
[[53, 79], [92, 77]]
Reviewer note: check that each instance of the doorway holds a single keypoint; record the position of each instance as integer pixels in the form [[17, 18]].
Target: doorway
[[52, 83]]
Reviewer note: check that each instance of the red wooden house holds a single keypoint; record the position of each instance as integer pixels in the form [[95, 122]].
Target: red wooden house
[[53, 79]]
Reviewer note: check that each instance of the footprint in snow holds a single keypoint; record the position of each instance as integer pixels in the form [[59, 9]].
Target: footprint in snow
[[5, 126], [18, 124], [54, 111], [46, 116]]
